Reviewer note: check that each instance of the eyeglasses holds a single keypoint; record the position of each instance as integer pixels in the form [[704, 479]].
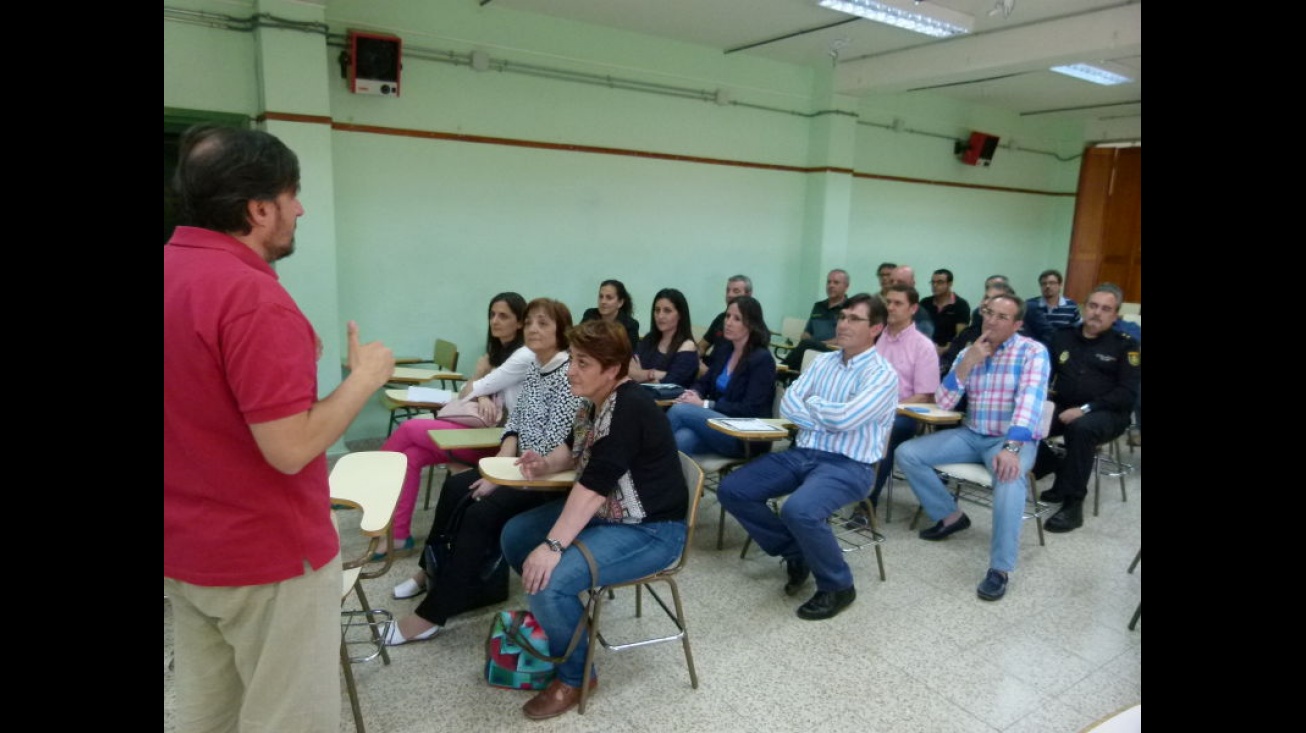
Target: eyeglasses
[[990, 313], [850, 318]]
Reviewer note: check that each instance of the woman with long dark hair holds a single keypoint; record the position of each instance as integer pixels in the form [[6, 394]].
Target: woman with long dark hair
[[615, 305], [495, 383], [739, 383], [667, 353]]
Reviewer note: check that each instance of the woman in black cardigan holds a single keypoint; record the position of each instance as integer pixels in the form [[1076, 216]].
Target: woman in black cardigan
[[615, 305], [739, 383]]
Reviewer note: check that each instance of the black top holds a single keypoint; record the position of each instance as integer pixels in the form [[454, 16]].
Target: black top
[[1103, 373], [947, 318], [629, 456], [715, 332], [632, 325]]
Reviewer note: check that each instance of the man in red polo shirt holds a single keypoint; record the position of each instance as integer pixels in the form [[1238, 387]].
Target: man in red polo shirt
[[251, 558]]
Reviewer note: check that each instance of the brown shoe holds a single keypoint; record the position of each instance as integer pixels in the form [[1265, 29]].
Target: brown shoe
[[554, 700]]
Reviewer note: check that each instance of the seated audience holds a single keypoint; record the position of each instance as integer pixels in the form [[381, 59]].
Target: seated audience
[[818, 333], [667, 353], [740, 383], [1006, 377], [914, 360], [1060, 311], [949, 311], [628, 506], [905, 275], [1095, 381], [843, 405], [615, 305], [495, 383], [540, 422]]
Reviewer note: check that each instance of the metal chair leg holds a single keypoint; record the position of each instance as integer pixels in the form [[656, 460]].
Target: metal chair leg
[[348, 668], [1138, 613]]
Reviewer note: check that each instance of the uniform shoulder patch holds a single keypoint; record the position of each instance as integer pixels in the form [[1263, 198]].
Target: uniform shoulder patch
[[1135, 358]]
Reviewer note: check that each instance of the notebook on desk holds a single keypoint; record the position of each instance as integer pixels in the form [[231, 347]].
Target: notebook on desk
[[748, 424]]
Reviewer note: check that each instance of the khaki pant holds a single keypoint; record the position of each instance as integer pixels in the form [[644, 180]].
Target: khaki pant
[[258, 658]]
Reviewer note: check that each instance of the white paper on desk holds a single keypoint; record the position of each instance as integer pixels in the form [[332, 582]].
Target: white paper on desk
[[749, 424], [430, 394]]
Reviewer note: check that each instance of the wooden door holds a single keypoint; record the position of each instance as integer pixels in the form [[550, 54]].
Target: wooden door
[[1106, 244]]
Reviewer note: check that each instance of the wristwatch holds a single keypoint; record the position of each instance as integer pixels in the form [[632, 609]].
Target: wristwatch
[[1011, 446], [1084, 408], [554, 545]]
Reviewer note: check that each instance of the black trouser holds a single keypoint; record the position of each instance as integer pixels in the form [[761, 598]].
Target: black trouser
[[1083, 436], [478, 538]]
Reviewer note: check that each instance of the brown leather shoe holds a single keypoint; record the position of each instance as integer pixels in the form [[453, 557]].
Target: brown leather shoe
[[554, 700]]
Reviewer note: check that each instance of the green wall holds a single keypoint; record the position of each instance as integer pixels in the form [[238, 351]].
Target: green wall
[[417, 232]]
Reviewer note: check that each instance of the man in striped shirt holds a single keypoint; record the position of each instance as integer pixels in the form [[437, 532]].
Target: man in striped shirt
[[1061, 312], [843, 405], [1005, 377]]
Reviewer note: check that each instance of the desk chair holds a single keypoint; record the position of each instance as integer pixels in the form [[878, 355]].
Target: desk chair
[[1106, 462], [791, 330], [973, 482], [717, 466], [369, 482], [694, 481], [444, 357]]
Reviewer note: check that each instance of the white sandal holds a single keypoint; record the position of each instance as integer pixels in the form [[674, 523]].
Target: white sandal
[[394, 637], [408, 589]]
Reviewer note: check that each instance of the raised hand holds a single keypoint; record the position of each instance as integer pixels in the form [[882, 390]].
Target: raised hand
[[373, 360]]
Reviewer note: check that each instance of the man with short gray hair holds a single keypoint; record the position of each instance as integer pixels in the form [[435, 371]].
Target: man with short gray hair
[[1096, 377]]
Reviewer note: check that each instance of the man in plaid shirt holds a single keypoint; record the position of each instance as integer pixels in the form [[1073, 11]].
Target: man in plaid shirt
[[1005, 377]]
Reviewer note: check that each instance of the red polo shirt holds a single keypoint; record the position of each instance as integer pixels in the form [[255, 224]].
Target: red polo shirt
[[236, 351]]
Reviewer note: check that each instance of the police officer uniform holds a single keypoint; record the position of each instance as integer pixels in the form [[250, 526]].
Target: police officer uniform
[[1101, 377]]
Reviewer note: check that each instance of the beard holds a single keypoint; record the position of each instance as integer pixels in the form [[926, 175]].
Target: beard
[[280, 251]]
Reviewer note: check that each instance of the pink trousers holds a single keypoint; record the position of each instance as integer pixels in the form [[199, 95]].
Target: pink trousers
[[411, 439]]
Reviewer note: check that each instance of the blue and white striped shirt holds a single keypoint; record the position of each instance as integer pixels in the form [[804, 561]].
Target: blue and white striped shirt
[[844, 408]]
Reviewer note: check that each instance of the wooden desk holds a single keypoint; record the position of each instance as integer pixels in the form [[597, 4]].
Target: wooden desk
[[725, 425], [501, 470], [466, 438], [930, 413], [411, 375], [399, 398]]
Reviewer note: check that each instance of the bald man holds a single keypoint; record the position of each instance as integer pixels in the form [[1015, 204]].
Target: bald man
[[904, 275]]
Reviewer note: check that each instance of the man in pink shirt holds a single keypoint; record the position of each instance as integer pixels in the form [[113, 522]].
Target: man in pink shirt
[[912, 356]]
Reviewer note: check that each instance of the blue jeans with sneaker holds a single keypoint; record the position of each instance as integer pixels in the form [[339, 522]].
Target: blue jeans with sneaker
[[918, 456], [818, 484], [621, 551]]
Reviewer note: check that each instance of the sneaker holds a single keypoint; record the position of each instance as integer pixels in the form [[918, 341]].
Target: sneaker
[[858, 520]]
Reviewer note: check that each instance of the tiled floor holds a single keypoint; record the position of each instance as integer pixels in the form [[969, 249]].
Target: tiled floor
[[918, 652]]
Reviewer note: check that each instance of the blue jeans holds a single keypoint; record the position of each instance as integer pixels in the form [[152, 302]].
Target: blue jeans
[[694, 435], [918, 456], [622, 551], [904, 429], [818, 484]]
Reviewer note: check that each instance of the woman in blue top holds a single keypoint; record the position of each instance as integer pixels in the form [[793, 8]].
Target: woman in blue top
[[667, 354], [739, 383]]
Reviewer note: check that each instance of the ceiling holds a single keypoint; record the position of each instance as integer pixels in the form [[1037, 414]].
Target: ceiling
[[1003, 63]]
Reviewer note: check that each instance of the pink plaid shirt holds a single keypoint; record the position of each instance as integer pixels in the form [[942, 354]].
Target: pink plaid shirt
[[1006, 391]]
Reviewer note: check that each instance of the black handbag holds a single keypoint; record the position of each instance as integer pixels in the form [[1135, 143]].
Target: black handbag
[[490, 585]]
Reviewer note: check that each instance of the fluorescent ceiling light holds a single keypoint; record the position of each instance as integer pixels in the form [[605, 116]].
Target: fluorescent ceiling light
[[1093, 73], [928, 18]]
